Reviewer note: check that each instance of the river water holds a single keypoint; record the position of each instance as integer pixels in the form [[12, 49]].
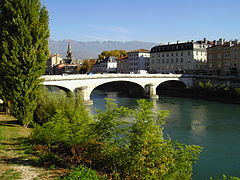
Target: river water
[[212, 125]]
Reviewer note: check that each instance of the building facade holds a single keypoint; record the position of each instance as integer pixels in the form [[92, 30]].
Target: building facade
[[187, 57], [122, 65], [224, 58], [107, 65], [138, 60]]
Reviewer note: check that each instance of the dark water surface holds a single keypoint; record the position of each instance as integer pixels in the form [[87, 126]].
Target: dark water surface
[[214, 126]]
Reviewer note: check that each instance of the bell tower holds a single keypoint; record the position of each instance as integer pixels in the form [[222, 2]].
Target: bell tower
[[69, 51]]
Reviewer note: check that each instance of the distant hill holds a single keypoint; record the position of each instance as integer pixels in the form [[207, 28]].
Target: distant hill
[[84, 50]]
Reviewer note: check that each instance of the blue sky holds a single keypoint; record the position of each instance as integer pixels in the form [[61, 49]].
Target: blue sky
[[157, 21]]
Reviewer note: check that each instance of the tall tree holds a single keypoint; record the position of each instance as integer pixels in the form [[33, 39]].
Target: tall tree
[[24, 50]]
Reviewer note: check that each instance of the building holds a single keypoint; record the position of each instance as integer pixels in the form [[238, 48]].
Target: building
[[224, 58], [138, 60], [122, 65], [187, 57], [107, 65], [57, 65], [53, 61]]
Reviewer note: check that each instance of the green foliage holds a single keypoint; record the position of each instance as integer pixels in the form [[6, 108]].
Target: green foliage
[[10, 174], [23, 54], [116, 53], [225, 178], [65, 119], [207, 85], [150, 156], [83, 173], [123, 143], [237, 91]]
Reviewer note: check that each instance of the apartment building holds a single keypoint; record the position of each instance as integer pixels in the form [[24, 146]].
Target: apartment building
[[122, 65], [138, 60], [224, 58], [186, 57], [107, 65]]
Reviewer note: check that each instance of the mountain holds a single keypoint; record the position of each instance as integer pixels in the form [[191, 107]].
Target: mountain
[[91, 49]]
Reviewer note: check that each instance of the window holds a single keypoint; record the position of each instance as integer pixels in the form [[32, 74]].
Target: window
[[171, 60], [181, 53], [176, 60], [210, 56], [181, 60], [163, 61], [226, 63], [163, 55], [176, 53]]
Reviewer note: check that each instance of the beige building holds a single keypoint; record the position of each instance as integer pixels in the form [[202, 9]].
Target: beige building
[[224, 58], [187, 57], [54, 60], [122, 65]]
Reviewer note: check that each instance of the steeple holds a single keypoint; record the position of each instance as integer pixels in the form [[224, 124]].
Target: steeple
[[69, 51]]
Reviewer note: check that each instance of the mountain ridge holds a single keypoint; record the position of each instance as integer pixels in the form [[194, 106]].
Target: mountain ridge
[[91, 49]]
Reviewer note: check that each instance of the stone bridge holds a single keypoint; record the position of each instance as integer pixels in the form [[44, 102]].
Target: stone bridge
[[87, 83]]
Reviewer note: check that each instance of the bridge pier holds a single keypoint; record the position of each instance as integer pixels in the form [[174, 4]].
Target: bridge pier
[[150, 90], [84, 91]]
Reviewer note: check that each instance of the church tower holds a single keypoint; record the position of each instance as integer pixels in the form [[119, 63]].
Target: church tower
[[69, 51]]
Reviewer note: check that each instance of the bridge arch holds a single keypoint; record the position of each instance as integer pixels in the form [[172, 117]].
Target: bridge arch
[[170, 86], [55, 88], [130, 88]]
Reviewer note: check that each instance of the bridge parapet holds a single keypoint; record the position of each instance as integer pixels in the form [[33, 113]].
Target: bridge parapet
[[104, 76]]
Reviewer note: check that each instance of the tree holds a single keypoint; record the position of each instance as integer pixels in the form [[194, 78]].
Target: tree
[[23, 54], [116, 53], [87, 65]]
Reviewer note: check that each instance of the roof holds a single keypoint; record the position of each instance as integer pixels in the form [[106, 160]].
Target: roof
[[122, 58], [139, 50], [54, 55], [226, 45]]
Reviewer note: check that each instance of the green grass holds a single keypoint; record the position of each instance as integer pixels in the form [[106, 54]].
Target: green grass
[[10, 174]]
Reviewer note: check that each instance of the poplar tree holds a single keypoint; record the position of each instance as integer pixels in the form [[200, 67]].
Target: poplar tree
[[24, 50]]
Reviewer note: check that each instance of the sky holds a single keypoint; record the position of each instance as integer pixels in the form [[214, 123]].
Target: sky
[[158, 21]]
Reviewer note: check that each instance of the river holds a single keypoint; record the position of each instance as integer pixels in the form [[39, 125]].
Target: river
[[212, 125]]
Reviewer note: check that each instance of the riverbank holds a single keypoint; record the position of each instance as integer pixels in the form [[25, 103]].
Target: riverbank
[[16, 162], [222, 96]]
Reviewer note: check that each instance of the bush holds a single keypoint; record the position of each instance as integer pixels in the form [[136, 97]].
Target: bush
[[225, 178], [123, 143], [64, 120], [83, 173]]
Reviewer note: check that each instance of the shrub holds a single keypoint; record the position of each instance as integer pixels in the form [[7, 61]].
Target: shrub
[[83, 173], [65, 120], [123, 143], [225, 178]]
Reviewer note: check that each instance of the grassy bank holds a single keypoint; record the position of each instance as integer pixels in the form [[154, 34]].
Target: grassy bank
[[16, 161]]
